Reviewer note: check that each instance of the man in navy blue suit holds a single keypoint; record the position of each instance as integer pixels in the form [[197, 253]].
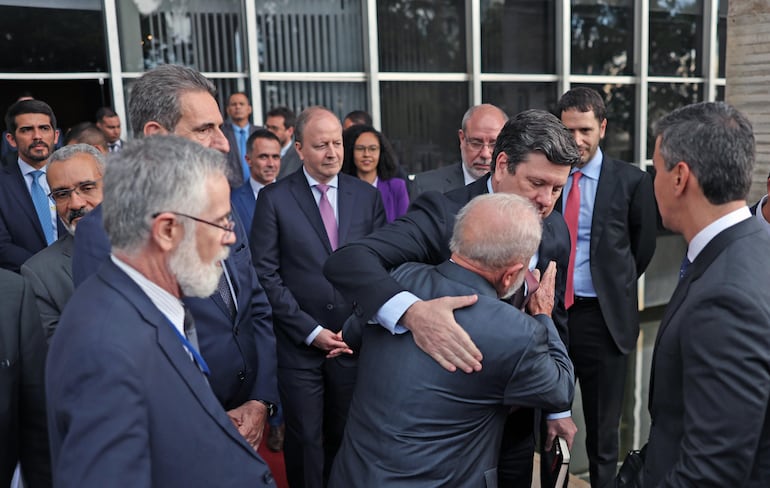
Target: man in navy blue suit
[[298, 222], [28, 220], [235, 331], [128, 398]]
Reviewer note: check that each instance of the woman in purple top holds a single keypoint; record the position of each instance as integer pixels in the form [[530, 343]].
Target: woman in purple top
[[368, 155]]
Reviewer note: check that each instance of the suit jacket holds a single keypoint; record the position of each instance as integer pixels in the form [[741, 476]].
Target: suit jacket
[[21, 234], [290, 245], [243, 202], [359, 270], [448, 426], [50, 274], [234, 157], [394, 197], [623, 234], [442, 180], [241, 352], [710, 374], [23, 427], [290, 162], [126, 401]]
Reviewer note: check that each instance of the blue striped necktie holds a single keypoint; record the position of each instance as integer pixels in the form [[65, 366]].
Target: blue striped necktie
[[42, 206]]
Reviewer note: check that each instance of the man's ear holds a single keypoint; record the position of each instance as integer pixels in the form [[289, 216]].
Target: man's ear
[[682, 174], [510, 274], [164, 233], [153, 128], [11, 140], [298, 148]]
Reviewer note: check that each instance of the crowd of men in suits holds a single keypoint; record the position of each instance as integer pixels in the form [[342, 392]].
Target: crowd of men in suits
[[212, 276]]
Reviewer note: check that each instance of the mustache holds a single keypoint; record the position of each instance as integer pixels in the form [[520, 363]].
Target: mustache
[[74, 214]]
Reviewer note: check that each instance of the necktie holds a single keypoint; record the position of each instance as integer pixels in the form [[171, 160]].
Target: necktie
[[683, 267], [243, 136], [520, 299], [327, 215], [42, 206], [115, 147], [224, 291], [189, 330], [571, 213]]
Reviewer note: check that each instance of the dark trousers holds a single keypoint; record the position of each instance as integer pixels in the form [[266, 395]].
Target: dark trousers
[[514, 468], [601, 370], [315, 405]]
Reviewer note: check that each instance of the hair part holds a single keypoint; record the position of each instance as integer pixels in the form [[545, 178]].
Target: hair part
[[156, 95], [716, 141], [387, 166], [23, 107], [583, 99]]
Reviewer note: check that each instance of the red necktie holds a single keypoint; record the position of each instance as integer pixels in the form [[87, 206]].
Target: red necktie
[[571, 213]]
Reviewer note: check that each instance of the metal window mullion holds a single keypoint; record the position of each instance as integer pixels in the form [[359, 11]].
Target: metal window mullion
[[252, 60], [114, 61], [563, 45], [372, 60], [473, 50], [710, 48]]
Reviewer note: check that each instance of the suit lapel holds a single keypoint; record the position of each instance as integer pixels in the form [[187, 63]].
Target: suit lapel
[[17, 188], [303, 194], [345, 208], [603, 200]]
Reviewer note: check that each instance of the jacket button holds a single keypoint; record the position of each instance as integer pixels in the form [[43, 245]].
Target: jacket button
[[268, 479], [329, 306]]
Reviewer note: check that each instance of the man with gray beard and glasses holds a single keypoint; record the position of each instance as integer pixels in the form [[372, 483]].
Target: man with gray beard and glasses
[[127, 388]]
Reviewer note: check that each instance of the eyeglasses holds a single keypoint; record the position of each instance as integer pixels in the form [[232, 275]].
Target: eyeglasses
[[227, 227], [478, 145], [62, 195], [363, 149]]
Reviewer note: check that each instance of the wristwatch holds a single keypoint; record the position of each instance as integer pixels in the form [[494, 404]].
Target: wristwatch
[[271, 408]]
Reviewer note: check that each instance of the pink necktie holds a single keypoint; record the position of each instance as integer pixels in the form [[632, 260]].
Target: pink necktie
[[571, 212], [327, 215]]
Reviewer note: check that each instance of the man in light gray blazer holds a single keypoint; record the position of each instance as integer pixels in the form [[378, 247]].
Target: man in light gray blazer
[[421, 425], [75, 177]]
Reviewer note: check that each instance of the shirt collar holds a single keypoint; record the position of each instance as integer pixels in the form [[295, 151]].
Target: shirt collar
[[27, 169], [593, 167], [312, 181], [702, 238], [468, 178]]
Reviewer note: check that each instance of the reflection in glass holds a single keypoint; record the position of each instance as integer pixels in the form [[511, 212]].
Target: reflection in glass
[[52, 40], [620, 136], [310, 35], [517, 36], [421, 35], [676, 38], [664, 98], [513, 98], [602, 37], [340, 98], [421, 119], [722, 38]]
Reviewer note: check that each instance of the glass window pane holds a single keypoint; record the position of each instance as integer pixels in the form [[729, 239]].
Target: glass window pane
[[310, 35], [720, 94], [340, 98], [513, 98], [620, 136], [664, 98], [676, 38], [52, 40], [504, 24], [421, 35], [206, 35], [602, 37], [421, 119], [722, 38]]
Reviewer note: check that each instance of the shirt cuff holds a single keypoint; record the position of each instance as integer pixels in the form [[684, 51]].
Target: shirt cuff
[[392, 310], [310, 338], [559, 415]]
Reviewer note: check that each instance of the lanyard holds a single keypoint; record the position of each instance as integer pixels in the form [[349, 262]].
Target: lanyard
[[195, 354]]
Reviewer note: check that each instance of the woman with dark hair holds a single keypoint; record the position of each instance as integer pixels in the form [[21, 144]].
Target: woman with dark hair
[[368, 156]]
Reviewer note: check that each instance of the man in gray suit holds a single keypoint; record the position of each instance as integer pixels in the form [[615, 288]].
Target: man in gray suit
[[480, 126], [281, 121], [75, 177], [448, 426], [710, 374]]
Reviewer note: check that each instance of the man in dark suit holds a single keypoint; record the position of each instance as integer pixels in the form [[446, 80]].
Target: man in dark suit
[[22, 397], [264, 157], [452, 439], [532, 158], [611, 216], [710, 375], [281, 121], [480, 126], [126, 384], [109, 123], [762, 210], [234, 326], [298, 222], [237, 129], [75, 178], [28, 220]]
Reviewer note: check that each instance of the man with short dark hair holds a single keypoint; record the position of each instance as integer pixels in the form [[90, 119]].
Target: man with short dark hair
[[86, 133], [237, 129], [609, 208], [109, 123], [710, 375], [280, 121], [28, 220], [264, 157], [356, 117]]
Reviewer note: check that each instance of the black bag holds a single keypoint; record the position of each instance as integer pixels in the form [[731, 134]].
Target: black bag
[[631, 474]]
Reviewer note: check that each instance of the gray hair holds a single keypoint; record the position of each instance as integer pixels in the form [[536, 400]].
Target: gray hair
[[717, 143], [508, 230], [155, 96], [152, 175], [68, 152], [304, 118], [535, 131], [485, 106]]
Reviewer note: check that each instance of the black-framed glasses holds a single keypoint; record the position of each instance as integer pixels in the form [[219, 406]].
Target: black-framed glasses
[[227, 227], [85, 188], [371, 149]]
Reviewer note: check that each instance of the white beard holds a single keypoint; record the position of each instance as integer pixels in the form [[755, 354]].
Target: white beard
[[195, 278]]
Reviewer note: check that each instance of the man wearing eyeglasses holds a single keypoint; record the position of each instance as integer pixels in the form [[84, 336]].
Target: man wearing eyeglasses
[[480, 127], [74, 175]]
